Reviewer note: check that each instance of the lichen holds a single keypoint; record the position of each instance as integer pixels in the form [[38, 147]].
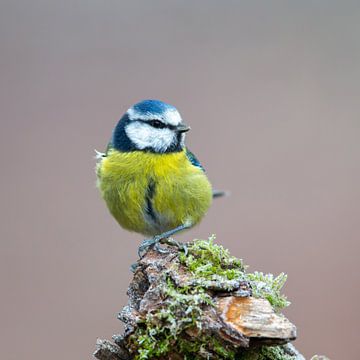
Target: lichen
[[204, 347], [209, 261], [167, 328], [268, 287], [161, 330], [266, 353]]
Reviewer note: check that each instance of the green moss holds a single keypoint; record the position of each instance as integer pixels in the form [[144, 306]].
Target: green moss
[[210, 261], [266, 353], [268, 287], [161, 330], [199, 349], [165, 329]]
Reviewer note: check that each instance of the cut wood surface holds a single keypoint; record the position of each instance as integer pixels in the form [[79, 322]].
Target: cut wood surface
[[255, 318]]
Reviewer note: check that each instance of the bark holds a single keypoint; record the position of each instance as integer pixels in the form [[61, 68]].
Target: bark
[[229, 320]]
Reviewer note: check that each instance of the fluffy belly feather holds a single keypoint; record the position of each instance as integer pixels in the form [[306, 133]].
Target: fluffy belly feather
[[152, 193]]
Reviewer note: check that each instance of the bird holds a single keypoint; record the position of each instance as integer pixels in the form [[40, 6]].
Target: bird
[[151, 182]]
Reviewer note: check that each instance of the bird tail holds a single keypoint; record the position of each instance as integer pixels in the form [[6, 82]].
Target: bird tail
[[219, 193]]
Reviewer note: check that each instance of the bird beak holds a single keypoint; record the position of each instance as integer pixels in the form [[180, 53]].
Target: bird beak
[[181, 128]]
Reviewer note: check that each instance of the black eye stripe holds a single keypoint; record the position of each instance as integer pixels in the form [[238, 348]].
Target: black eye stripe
[[158, 124]]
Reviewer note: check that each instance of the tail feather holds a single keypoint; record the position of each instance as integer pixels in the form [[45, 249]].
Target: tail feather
[[219, 193]]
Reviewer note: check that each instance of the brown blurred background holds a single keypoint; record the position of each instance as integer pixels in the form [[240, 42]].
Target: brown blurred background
[[271, 90]]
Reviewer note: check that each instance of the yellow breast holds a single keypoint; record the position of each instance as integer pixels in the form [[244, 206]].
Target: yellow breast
[[152, 193]]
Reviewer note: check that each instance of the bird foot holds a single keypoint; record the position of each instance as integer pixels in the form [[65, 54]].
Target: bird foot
[[147, 243], [171, 242], [155, 242]]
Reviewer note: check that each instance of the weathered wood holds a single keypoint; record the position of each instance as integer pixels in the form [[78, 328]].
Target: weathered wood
[[255, 318], [107, 350], [233, 317]]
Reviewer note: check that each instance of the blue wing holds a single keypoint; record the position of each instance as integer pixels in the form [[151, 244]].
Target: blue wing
[[193, 159]]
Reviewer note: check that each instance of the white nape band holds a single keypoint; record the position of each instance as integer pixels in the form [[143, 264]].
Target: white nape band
[[170, 116], [135, 115]]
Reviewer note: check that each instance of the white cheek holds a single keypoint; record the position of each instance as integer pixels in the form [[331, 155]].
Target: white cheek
[[144, 136]]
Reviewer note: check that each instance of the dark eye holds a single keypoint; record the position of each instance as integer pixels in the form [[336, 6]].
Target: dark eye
[[157, 124]]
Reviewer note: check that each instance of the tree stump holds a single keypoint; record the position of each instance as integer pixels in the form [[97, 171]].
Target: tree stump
[[201, 304]]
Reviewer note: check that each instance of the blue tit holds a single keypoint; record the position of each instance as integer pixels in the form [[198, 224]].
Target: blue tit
[[151, 183]]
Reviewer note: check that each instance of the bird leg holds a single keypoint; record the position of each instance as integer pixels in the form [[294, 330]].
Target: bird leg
[[163, 238]]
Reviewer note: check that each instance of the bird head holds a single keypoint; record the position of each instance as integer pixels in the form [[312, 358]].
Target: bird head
[[150, 125]]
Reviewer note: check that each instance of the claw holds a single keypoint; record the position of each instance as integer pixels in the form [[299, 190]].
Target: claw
[[164, 237], [179, 245], [144, 246], [147, 243], [160, 249], [186, 250], [182, 247]]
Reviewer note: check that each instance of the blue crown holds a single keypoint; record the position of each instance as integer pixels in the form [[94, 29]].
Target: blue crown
[[153, 107]]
